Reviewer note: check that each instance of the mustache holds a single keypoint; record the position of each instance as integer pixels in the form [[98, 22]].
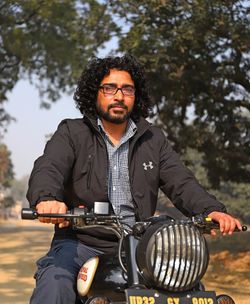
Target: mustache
[[119, 104]]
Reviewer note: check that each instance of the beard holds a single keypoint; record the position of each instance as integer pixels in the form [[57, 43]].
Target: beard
[[117, 118]]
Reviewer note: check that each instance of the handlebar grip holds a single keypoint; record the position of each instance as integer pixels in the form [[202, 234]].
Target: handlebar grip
[[29, 214], [244, 228]]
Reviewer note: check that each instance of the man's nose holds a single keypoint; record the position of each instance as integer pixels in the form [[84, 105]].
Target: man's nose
[[119, 95]]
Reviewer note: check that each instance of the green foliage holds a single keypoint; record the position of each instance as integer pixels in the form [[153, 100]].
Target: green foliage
[[50, 42], [8, 202], [6, 167], [235, 196], [197, 56], [19, 188]]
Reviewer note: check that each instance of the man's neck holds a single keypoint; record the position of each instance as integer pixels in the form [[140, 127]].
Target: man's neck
[[114, 131]]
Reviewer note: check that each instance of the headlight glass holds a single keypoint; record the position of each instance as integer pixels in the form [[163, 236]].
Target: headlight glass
[[173, 257]]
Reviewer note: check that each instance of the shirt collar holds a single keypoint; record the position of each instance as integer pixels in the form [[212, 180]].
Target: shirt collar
[[131, 126]]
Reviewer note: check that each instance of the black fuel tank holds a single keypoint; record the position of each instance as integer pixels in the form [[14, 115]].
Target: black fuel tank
[[109, 280]]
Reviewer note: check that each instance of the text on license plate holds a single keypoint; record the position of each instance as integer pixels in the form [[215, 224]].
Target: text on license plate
[[169, 300]]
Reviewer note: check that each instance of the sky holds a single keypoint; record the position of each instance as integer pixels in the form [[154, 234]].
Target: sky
[[26, 137]]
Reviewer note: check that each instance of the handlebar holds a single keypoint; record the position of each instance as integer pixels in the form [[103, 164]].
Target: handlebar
[[31, 214], [204, 223], [80, 219]]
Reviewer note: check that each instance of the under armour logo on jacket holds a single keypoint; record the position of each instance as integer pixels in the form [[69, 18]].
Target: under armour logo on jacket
[[148, 166]]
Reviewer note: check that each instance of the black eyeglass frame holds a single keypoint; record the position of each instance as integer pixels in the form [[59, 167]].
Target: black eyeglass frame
[[117, 89]]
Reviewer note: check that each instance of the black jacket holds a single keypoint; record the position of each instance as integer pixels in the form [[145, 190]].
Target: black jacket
[[74, 169]]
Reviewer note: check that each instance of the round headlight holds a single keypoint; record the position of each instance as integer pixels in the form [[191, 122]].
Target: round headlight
[[172, 256]]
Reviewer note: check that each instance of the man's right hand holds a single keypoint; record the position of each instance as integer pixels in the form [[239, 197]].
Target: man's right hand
[[52, 207]]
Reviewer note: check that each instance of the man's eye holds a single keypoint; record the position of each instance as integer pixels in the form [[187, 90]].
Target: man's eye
[[129, 89], [109, 88]]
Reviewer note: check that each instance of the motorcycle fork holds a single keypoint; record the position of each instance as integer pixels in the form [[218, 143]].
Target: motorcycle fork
[[130, 244]]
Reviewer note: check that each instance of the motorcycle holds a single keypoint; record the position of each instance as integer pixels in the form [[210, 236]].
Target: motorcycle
[[160, 260]]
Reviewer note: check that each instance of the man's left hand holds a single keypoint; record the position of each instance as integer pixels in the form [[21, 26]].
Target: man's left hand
[[227, 222]]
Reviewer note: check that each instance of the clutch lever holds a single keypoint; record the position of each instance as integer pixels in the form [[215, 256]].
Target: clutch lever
[[31, 214]]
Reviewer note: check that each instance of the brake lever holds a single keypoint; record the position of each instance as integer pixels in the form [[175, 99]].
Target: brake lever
[[206, 224]]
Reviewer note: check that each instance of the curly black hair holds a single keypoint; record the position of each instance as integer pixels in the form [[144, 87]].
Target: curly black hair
[[96, 69]]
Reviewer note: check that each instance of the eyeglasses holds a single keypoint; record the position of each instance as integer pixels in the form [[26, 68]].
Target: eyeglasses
[[111, 89]]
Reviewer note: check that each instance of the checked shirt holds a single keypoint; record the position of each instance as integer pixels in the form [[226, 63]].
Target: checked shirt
[[118, 174]]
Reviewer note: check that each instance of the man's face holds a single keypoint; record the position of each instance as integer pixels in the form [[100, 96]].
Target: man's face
[[118, 107]]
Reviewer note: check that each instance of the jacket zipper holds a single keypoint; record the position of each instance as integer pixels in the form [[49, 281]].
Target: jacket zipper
[[102, 142], [90, 166], [107, 162]]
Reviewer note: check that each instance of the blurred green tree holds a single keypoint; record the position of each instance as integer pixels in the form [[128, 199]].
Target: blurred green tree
[[234, 195], [8, 202], [49, 42], [6, 167], [197, 54], [19, 189]]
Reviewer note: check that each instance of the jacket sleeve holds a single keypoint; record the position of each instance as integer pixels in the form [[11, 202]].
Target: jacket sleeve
[[51, 170], [181, 186]]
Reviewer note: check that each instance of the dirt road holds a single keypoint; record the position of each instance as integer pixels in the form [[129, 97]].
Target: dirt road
[[23, 243]]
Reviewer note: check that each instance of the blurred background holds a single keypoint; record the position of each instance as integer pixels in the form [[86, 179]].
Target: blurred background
[[197, 58]]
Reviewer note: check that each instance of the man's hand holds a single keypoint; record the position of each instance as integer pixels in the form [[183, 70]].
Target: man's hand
[[52, 207], [227, 222]]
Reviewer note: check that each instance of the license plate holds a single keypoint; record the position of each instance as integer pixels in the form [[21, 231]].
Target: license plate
[[145, 296]]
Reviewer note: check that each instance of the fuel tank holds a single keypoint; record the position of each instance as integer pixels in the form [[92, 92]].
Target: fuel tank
[[110, 279]]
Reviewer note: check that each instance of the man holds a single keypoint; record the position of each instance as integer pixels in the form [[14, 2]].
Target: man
[[112, 155]]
